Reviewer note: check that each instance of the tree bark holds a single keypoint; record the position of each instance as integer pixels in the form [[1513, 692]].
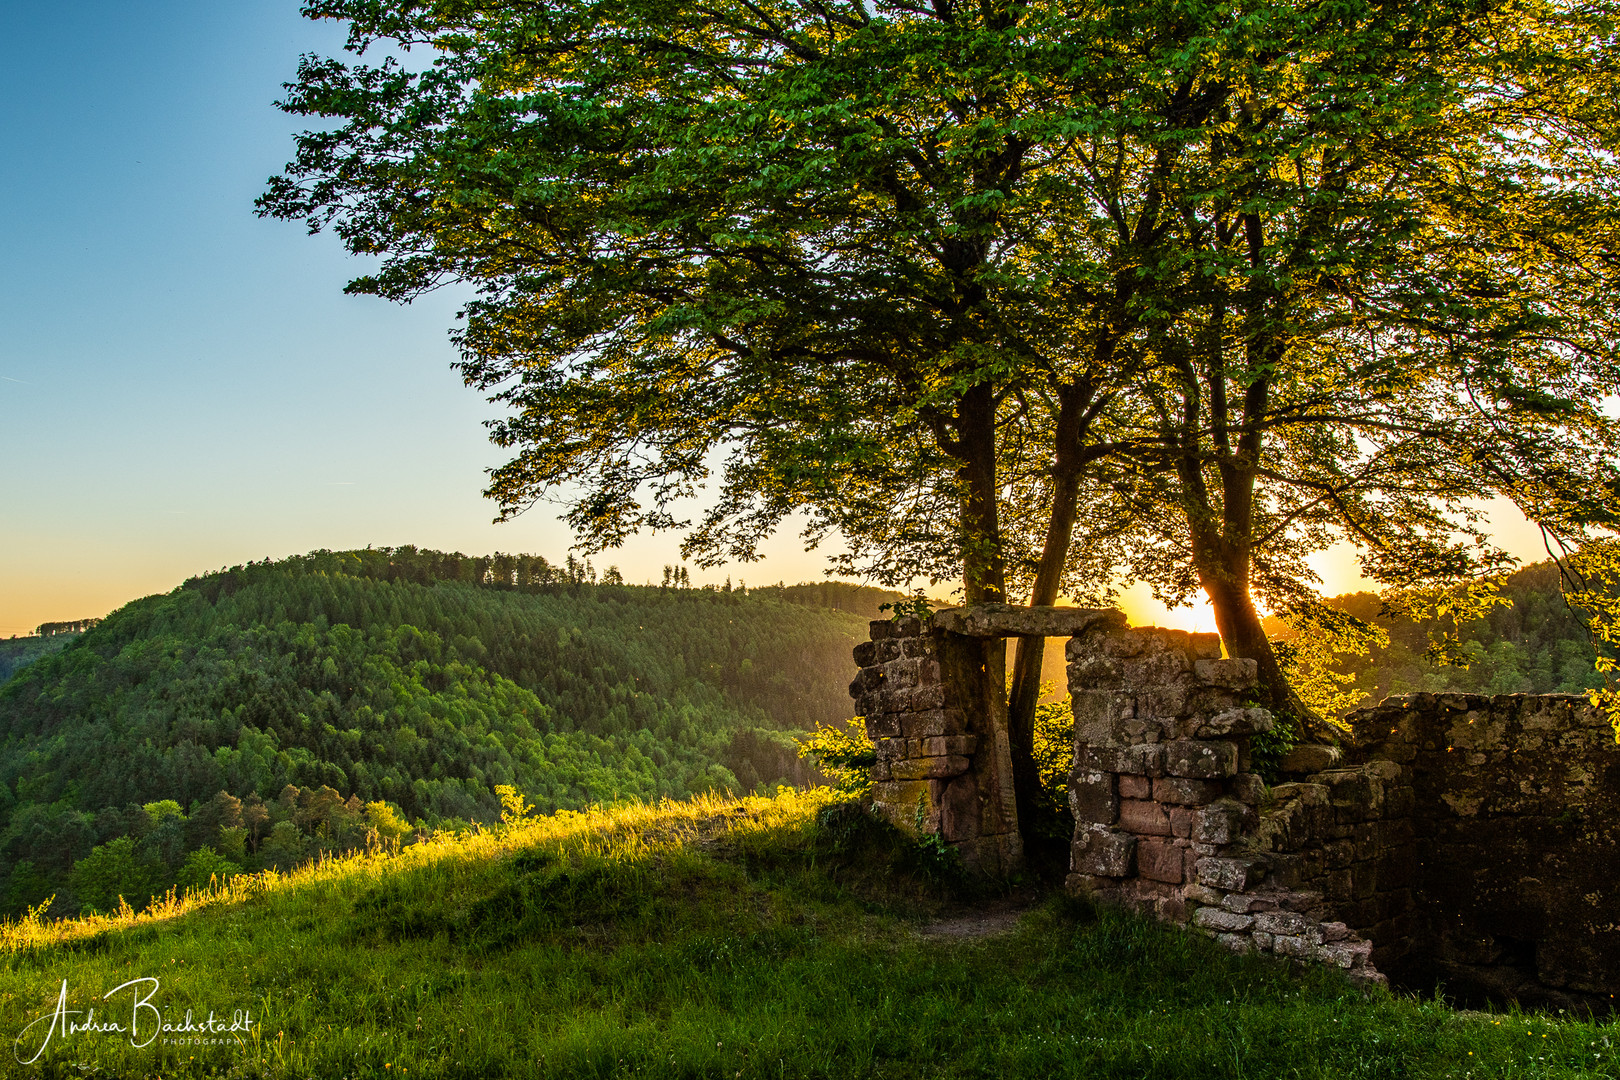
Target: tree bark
[[1025, 693]]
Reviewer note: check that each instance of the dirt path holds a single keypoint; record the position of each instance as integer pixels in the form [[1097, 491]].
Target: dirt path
[[1000, 917]]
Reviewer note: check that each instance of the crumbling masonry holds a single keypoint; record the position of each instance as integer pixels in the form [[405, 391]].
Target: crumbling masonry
[[1463, 841]]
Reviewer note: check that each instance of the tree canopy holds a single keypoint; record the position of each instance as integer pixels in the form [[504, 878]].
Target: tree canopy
[[1016, 294]]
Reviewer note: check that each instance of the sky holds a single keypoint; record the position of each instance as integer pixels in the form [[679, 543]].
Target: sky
[[183, 385]]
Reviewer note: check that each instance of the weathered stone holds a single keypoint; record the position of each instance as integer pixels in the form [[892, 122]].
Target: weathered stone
[[1146, 759], [1236, 673], [1183, 820], [1159, 860], [959, 809], [1248, 788], [1213, 918], [1144, 817], [1233, 875], [1300, 948], [900, 800], [929, 723], [1309, 758], [1102, 851], [1199, 759], [1183, 791], [883, 726], [1006, 620], [922, 768], [1345, 954], [1283, 922], [1092, 797], [1234, 722], [1244, 903], [909, 626], [1135, 787], [942, 745], [1221, 822]]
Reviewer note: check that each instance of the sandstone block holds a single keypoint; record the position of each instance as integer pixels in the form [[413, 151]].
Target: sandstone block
[[915, 699], [931, 722], [944, 745], [1300, 900], [1092, 797], [1102, 851], [1213, 918], [1135, 787], [1236, 673], [1183, 791], [1221, 822], [1200, 759], [959, 809], [1120, 645], [1206, 646], [1282, 922], [1238, 943], [928, 768], [1249, 788], [1146, 759], [910, 626], [1090, 672], [1183, 820], [1159, 860], [1309, 759], [1234, 722], [1144, 817], [883, 726], [899, 800], [1300, 948], [1233, 875], [1007, 620], [1245, 903], [1345, 954]]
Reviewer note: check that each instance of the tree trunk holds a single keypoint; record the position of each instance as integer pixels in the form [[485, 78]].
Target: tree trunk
[[1227, 585], [1025, 693], [983, 567]]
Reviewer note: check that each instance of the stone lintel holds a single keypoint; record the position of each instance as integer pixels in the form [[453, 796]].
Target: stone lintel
[[1007, 620]]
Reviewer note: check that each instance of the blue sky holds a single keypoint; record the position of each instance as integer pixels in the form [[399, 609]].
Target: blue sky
[[183, 385]]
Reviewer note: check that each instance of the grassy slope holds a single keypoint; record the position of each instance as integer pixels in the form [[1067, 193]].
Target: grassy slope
[[720, 939]]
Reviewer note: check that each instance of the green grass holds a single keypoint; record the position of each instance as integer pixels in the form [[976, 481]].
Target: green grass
[[725, 939]]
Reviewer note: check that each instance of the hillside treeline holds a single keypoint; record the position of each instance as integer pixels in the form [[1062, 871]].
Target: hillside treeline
[[404, 681], [18, 652], [1533, 644]]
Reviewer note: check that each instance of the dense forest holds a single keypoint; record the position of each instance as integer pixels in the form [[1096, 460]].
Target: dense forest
[[19, 652], [266, 713], [1532, 644]]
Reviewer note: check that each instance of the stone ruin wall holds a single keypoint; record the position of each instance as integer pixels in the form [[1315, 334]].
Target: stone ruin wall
[[1515, 819], [1461, 840], [1171, 820]]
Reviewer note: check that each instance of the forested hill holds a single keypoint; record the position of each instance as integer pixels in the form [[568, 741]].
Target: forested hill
[[412, 680], [1533, 645]]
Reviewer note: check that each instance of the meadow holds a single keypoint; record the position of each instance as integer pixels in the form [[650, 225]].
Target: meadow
[[785, 936]]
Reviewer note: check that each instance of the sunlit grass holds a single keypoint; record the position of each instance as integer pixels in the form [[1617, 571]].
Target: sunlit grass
[[718, 938]]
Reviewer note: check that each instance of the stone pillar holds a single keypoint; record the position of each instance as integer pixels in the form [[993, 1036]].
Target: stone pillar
[[942, 764], [933, 694], [1160, 787], [1165, 804]]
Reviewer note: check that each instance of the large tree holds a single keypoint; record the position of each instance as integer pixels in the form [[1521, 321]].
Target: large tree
[[951, 278]]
